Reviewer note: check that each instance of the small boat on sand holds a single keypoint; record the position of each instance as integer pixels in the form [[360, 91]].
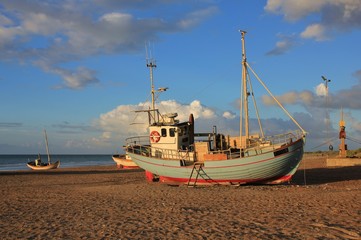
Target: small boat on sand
[[42, 166], [37, 164], [124, 161], [175, 154]]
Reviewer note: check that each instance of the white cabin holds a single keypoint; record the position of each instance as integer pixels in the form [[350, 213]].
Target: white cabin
[[170, 134]]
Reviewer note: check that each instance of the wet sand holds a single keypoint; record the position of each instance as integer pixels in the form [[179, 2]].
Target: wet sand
[[106, 203]]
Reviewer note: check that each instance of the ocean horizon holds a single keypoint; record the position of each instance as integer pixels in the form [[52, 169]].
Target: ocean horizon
[[15, 162]]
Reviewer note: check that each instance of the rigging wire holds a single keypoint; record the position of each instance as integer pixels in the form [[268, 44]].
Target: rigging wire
[[324, 143], [353, 140], [138, 108], [255, 105], [304, 173], [279, 104], [318, 146]]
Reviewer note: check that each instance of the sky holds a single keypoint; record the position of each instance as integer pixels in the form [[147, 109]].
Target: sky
[[78, 68]]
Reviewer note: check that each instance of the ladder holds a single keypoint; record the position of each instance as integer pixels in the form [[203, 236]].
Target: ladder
[[198, 168]]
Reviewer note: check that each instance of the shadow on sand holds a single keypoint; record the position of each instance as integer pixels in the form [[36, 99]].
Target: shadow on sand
[[316, 176]]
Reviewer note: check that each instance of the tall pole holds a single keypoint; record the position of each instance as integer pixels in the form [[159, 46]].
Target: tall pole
[[47, 147], [151, 64], [328, 120], [244, 95], [326, 83]]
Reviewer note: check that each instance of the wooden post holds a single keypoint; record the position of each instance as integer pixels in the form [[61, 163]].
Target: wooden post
[[342, 136]]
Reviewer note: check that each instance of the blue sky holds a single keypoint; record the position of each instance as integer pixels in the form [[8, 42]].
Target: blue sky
[[77, 68]]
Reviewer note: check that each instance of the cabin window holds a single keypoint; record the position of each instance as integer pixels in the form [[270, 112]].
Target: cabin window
[[172, 132], [180, 131], [164, 132]]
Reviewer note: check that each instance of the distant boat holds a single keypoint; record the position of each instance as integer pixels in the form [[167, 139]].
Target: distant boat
[[124, 161], [37, 164], [175, 154]]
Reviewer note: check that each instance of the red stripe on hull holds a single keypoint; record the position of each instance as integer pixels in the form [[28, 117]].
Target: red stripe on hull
[[275, 180], [130, 167], [120, 166]]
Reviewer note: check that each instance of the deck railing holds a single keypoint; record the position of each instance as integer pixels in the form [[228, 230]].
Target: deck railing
[[161, 153], [138, 140], [281, 139], [141, 145]]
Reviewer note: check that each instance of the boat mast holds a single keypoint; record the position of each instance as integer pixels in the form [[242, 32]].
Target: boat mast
[[244, 94], [151, 64], [47, 147]]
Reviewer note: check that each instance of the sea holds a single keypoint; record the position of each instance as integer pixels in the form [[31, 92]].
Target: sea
[[18, 162]]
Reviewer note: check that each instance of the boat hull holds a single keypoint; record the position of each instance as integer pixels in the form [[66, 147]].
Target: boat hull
[[123, 162], [272, 167], [43, 167]]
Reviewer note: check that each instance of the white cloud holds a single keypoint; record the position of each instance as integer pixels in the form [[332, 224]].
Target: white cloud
[[5, 20], [7, 34], [69, 33], [316, 31], [41, 24], [123, 121], [76, 80], [294, 9], [349, 98], [334, 16], [321, 90], [199, 111], [194, 18], [116, 18], [288, 98], [304, 97], [284, 44], [229, 115], [354, 123]]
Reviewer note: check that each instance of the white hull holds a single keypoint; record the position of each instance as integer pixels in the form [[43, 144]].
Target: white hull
[[124, 161], [44, 167]]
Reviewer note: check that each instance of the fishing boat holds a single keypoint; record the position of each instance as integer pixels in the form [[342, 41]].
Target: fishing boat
[[124, 161], [174, 153], [37, 164]]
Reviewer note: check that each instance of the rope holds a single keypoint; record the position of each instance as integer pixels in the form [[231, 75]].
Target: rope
[[353, 140], [322, 144], [304, 163], [304, 173], [279, 104], [255, 105]]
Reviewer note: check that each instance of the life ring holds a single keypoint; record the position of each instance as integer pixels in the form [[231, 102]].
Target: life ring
[[154, 136]]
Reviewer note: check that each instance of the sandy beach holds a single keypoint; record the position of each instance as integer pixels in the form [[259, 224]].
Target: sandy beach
[[107, 203]]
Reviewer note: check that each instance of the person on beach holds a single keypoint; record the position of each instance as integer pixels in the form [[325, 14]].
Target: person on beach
[[38, 161]]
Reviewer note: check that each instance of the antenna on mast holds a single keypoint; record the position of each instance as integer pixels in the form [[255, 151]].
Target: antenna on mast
[[150, 61], [153, 113], [327, 120]]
